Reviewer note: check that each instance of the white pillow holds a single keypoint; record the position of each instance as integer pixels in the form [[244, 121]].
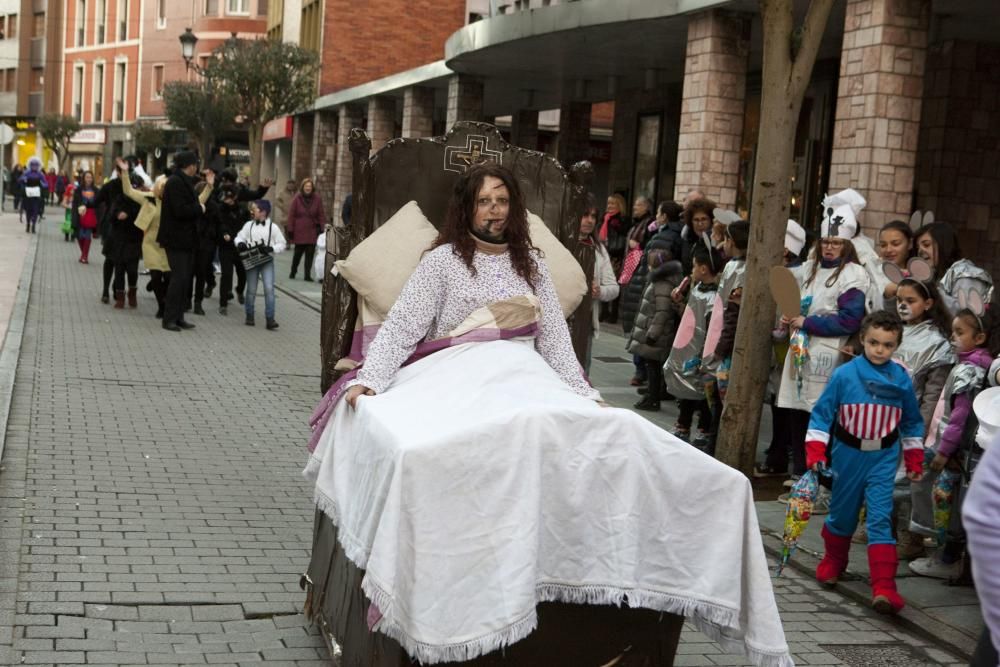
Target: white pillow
[[378, 267], [567, 274]]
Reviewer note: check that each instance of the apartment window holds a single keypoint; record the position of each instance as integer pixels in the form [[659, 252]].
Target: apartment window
[[119, 112], [98, 92], [38, 25], [4, 78], [81, 21], [161, 14], [78, 92], [237, 6], [157, 82], [37, 82], [122, 20], [211, 7], [11, 77], [261, 7], [11, 26], [101, 22]]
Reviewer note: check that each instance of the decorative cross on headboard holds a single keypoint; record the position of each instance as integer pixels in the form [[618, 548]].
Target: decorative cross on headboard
[[460, 158]]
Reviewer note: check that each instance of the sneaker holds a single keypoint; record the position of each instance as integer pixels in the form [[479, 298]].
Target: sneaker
[[764, 470], [647, 405], [682, 433], [931, 566]]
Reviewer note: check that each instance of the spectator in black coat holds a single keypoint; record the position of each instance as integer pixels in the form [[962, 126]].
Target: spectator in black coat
[[231, 216], [208, 235], [179, 235]]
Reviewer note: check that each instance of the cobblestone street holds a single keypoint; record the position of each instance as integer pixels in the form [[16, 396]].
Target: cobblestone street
[[152, 510]]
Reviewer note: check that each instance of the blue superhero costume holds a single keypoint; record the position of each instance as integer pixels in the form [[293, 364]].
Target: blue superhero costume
[[865, 415]]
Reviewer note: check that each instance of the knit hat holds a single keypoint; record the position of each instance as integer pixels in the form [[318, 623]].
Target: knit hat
[[263, 205], [185, 159], [795, 237], [840, 214]]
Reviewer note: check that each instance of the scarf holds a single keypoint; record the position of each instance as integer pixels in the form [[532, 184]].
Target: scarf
[[488, 248]]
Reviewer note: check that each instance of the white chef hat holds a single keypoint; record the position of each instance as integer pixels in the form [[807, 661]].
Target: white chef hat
[[795, 237], [725, 216], [840, 214]]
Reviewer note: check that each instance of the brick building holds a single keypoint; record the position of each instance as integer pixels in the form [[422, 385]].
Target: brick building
[[902, 105], [119, 53], [30, 52]]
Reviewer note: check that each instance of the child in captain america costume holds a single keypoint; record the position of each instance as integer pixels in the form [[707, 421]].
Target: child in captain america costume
[[866, 414]]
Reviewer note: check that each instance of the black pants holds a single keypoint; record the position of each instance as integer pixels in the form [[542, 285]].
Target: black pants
[[785, 427], [794, 424], [654, 375], [687, 409], [158, 282], [229, 259], [181, 269], [130, 269], [204, 272], [109, 271], [303, 249], [986, 653]]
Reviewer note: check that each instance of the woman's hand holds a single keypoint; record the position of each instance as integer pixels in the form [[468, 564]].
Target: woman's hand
[[355, 392], [81, 209], [210, 177], [122, 165], [595, 291], [939, 462]]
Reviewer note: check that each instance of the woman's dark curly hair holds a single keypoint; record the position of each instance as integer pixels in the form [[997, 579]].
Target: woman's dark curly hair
[[698, 205], [457, 228]]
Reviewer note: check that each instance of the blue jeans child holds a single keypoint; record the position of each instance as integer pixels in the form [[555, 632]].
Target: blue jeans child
[[266, 273]]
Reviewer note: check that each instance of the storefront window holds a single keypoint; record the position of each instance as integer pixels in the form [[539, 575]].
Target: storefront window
[[647, 150]]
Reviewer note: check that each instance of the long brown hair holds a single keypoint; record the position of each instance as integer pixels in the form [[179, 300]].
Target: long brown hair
[[457, 227], [848, 254]]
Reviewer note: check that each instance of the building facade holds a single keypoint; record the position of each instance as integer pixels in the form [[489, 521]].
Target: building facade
[[30, 50], [902, 104]]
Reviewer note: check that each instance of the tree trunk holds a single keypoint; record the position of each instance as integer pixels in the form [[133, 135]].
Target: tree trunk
[[255, 135], [783, 86]]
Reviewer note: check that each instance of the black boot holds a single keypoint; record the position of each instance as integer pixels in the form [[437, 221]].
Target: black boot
[[249, 321], [272, 325], [198, 310]]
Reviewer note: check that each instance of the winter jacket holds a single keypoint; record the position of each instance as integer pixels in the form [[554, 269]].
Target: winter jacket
[[179, 214], [305, 219], [604, 276], [229, 222], [122, 239], [614, 231], [85, 196], [652, 336], [148, 221], [632, 293]]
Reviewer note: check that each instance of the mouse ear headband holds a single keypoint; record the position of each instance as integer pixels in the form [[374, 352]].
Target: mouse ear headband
[[973, 300], [919, 219], [917, 270]]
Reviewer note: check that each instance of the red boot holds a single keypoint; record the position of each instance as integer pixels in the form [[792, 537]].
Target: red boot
[[835, 556], [882, 562], [119, 298], [132, 301]]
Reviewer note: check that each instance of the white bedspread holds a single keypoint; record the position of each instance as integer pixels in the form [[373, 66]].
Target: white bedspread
[[479, 485]]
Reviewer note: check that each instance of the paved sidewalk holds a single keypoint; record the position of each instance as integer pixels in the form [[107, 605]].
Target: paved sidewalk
[[14, 242], [151, 508]]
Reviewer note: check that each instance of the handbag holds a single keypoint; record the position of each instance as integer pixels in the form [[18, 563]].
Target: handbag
[[254, 256], [629, 266]]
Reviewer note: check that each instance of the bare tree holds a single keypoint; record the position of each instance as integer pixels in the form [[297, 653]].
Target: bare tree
[[789, 55], [267, 79], [202, 108], [57, 130]]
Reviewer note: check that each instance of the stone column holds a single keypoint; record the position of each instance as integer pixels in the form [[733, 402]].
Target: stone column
[[574, 132], [348, 118], [465, 99], [711, 124], [524, 129], [418, 112], [381, 120], [325, 158], [302, 143], [879, 105]]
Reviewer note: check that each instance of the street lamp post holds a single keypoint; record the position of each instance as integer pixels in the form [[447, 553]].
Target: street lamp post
[[188, 42]]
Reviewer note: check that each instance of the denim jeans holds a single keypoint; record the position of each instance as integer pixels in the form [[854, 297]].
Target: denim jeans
[[266, 273]]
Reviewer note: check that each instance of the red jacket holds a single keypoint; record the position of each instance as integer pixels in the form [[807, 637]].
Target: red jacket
[[305, 219]]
